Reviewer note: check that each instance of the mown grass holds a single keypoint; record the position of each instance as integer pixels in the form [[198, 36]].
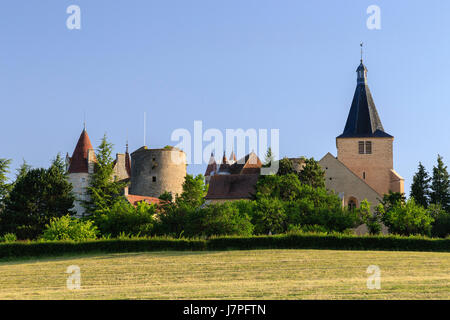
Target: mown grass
[[256, 274]]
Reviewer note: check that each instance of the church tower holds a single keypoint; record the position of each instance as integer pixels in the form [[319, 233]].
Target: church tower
[[364, 147]]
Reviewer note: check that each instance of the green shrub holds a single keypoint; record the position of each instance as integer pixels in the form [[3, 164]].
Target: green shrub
[[307, 229], [408, 219], [441, 224], [67, 228], [123, 217], [8, 238]]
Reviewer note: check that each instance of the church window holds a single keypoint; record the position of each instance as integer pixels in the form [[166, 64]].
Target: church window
[[368, 147], [361, 147], [352, 204], [154, 179], [364, 175]]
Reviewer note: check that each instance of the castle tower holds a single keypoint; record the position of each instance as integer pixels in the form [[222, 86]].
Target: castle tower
[[154, 171], [80, 167], [364, 147]]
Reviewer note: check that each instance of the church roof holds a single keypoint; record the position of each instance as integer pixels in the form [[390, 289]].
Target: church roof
[[234, 186], [363, 119], [79, 160]]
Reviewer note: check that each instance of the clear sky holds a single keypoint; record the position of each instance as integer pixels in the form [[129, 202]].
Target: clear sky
[[283, 64]]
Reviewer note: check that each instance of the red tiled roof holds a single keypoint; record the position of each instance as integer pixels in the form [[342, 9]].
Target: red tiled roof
[[79, 160], [233, 186], [135, 199]]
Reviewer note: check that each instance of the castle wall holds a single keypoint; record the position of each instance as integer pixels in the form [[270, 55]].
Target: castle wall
[[374, 169], [154, 171], [120, 170], [79, 181]]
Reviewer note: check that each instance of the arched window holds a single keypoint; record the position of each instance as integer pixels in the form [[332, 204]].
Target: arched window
[[352, 203]]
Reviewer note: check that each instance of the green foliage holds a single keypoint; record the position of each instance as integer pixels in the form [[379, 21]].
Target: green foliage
[[307, 229], [36, 197], [283, 200], [270, 216], [268, 158], [8, 238], [5, 187], [103, 190], [223, 219], [194, 191], [441, 225], [408, 219], [67, 228], [371, 219], [440, 185], [312, 174], [124, 218], [23, 170], [290, 241], [420, 188], [285, 167], [166, 196], [393, 199]]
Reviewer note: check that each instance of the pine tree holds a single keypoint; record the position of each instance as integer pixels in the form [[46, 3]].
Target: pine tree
[[420, 188], [440, 185], [103, 191], [23, 170], [269, 158]]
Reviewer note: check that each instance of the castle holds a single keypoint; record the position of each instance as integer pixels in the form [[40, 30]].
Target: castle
[[149, 172], [363, 168]]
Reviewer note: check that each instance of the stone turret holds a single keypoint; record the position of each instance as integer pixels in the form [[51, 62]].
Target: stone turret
[[154, 171]]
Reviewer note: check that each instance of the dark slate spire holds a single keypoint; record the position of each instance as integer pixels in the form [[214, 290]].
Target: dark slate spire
[[363, 119]]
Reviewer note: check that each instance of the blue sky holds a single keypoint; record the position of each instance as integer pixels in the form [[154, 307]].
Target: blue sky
[[285, 64]]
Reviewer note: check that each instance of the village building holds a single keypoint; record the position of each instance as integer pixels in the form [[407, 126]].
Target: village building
[[232, 180]]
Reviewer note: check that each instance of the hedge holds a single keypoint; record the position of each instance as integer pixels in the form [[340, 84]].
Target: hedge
[[289, 241]]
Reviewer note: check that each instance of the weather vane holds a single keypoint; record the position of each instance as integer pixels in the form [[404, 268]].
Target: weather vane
[[361, 44]]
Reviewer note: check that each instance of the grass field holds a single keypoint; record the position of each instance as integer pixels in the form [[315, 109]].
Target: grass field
[[258, 274]]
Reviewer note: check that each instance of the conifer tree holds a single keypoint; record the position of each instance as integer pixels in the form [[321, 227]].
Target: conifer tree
[[420, 188], [104, 190], [440, 185]]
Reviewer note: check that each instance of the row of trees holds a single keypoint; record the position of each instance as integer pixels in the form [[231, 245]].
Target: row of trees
[[433, 190], [39, 204]]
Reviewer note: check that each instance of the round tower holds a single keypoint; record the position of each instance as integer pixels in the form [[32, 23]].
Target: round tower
[[154, 171]]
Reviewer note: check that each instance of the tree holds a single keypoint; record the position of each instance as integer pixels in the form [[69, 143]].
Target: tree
[[59, 163], [125, 218], [408, 219], [393, 199], [4, 185], [269, 158], [420, 188], [36, 197], [23, 170], [285, 167], [194, 191], [103, 190], [372, 220], [440, 185], [312, 174]]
